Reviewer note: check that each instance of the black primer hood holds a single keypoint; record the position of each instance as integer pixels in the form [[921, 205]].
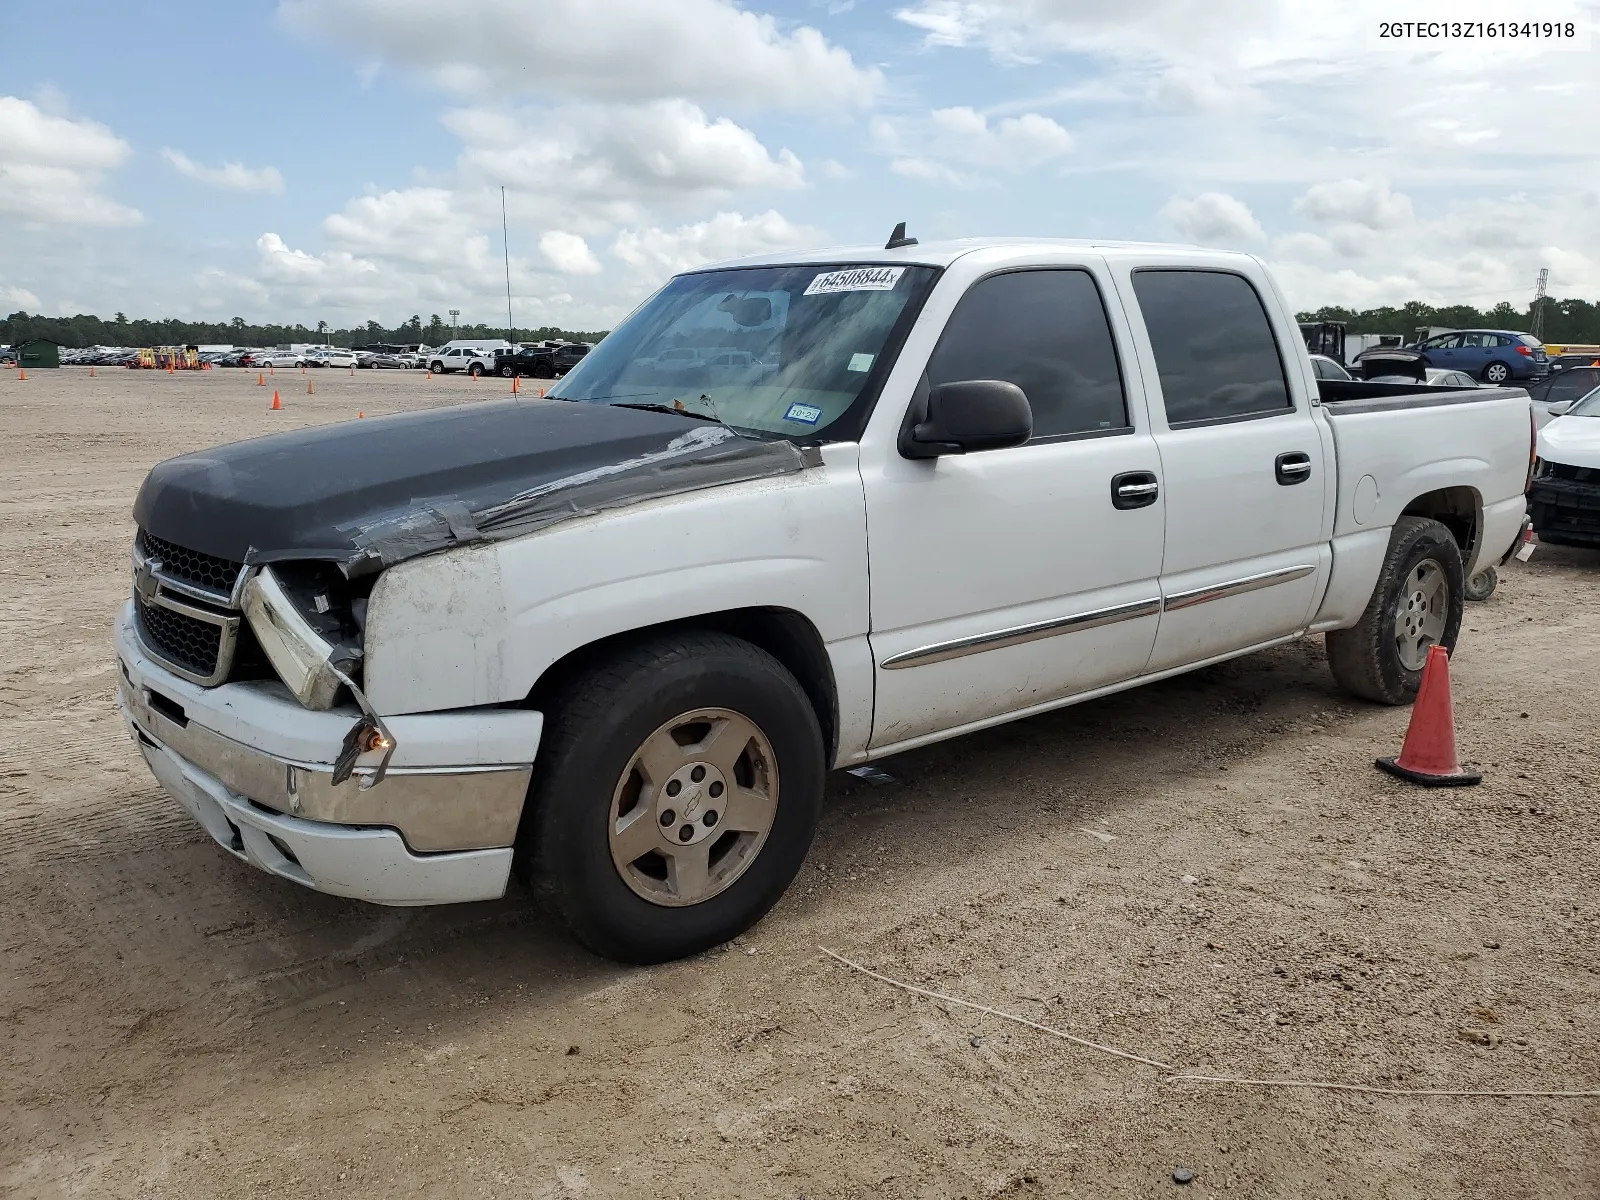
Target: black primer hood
[[369, 493]]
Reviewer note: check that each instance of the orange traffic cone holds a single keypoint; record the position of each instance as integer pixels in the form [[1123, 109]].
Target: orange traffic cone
[[276, 403], [91, 370], [272, 371], [22, 373], [1429, 754], [514, 380], [361, 416], [311, 388], [352, 372], [261, 380], [430, 372]]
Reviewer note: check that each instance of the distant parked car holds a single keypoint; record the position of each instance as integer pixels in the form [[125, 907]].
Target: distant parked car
[[542, 362], [385, 361], [339, 358], [1456, 379], [1562, 388], [1326, 368], [278, 358], [1492, 355]]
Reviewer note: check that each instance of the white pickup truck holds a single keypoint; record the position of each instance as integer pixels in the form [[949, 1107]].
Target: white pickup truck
[[616, 638]]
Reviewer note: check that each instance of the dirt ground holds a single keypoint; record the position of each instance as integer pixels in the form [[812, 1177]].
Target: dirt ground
[[1208, 872]]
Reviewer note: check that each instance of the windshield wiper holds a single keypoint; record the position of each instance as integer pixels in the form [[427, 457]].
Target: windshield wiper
[[682, 412]]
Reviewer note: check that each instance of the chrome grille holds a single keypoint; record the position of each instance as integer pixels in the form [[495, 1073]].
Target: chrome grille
[[191, 566], [178, 638], [184, 610]]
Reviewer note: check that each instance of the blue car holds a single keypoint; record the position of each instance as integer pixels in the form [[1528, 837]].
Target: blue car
[[1492, 355]]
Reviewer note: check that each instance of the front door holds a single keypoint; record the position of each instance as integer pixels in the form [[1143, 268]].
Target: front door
[[1247, 481], [1007, 580]]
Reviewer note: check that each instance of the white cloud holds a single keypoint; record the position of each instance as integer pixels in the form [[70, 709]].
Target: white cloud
[[231, 175], [568, 253], [658, 253], [925, 148], [20, 297], [1214, 219], [630, 50], [1368, 203], [607, 159], [51, 168], [1472, 251]]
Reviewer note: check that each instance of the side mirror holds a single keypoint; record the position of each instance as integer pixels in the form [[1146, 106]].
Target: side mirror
[[964, 417], [1559, 408]]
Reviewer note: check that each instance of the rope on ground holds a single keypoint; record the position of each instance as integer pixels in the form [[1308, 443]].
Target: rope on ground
[[1172, 1074]]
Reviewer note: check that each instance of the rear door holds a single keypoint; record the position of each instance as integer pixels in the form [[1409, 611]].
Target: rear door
[[1247, 475], [1006, 580]]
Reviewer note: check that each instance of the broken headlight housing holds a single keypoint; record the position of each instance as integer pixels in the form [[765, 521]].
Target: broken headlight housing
[[309, 632]]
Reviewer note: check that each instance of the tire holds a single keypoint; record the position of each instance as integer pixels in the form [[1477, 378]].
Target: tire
[[1481, 586], [543, 371], [475, 370], [1368, 660], [506, 372], [588, 768], [1496, 373]]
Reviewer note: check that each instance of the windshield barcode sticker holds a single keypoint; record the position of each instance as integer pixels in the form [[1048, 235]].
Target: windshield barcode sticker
[[856, 279]]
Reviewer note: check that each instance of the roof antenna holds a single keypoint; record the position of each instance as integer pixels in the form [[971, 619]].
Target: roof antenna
[[898, 238]]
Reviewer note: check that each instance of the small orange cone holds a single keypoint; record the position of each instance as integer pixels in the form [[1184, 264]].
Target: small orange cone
[[361, 416], [311, 388], [514, 380], [91, 370], [261, 380], [22, 373], [272, 371], [276, 403], [430, 372], [1429, 754], [352, 372]]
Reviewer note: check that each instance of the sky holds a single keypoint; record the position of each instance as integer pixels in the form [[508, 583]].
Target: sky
[[343, 160]]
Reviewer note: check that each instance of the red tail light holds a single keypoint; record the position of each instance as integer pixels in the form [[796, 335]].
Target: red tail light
[[1525, 352]]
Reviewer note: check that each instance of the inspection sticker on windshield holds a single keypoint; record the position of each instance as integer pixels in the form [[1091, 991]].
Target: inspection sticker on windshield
[[856, 279], [860, 362], [806, 414]]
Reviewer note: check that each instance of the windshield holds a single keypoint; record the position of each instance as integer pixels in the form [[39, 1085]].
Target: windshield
[[1588, 406], [785, 350]]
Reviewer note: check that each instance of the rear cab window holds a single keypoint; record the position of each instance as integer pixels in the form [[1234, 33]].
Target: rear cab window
[[1214, 348], [1044, 329]]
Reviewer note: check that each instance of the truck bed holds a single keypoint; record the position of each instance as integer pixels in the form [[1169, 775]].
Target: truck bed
[[1343, 396]]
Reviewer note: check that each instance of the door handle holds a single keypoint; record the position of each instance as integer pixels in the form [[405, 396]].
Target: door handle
[[1134, 489], [1293, 467]]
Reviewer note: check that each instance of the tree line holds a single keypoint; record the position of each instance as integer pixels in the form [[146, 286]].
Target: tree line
[[1575, 321], [85, 330], [1565, 321]]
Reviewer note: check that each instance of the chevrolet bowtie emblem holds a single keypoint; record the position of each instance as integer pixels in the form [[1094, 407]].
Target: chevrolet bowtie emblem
[[145, 581]]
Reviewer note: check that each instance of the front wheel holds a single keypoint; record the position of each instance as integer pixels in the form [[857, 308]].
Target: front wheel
[[436, 367], [506, 372], [1496, 373], [1416, 604], [475, 370], [676, 794]]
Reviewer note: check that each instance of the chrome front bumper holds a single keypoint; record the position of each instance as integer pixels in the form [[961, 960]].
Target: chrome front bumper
[[255, 769]]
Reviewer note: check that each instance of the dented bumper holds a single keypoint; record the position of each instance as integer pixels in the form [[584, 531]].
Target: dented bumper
[[255, 769]]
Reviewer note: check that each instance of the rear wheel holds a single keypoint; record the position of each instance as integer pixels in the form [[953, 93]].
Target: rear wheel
[[1416, 604], [676, 794], [1481, 586], [1496, 372], [543, 371]]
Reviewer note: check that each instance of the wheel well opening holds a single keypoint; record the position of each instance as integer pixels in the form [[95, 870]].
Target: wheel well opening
[[786, 635], [1457, 509]]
